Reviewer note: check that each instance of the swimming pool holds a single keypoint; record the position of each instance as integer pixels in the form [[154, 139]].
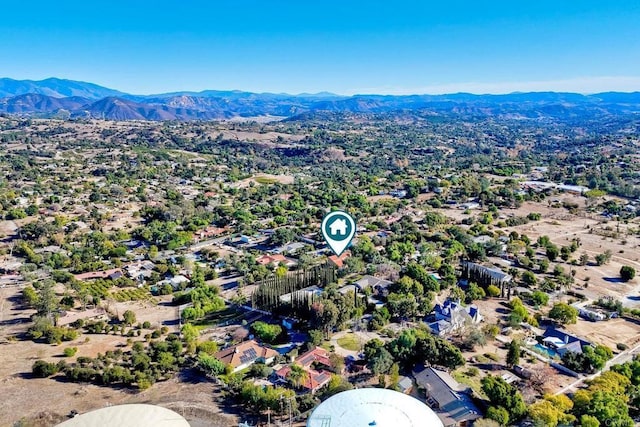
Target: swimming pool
[[550, 353]]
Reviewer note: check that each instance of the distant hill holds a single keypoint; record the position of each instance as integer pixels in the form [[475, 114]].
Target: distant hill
[[57, 88], [49, 97], [36, 103]]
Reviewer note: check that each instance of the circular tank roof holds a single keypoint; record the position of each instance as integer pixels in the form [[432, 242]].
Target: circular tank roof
[[134, 415], [369, 407]]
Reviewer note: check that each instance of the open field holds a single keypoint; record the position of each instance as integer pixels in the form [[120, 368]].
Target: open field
[[56, 398], [609, 333], [349, 342], [264, 179]]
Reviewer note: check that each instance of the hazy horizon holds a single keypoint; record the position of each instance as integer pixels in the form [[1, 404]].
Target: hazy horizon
[[452, 89], [361, 47]]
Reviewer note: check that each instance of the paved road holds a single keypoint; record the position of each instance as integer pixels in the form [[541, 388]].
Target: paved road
[[621, 358]]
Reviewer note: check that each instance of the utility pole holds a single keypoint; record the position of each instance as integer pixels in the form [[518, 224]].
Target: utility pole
[[281, 411]]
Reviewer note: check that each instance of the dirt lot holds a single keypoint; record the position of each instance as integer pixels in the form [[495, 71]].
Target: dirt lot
[[56, 398], [596, 235], [608, 332], [267, 178]]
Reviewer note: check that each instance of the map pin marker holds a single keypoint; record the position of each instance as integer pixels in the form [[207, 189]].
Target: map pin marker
[[338, 229]]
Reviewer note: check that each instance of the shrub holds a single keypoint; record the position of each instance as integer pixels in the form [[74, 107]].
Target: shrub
[[266, 332], [44, 369], [208, 347], [70, 351], [493, 291]]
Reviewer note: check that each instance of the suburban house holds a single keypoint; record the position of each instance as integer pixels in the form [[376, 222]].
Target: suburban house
[[594, 314], [316, 363], [452, 316], [177, 282], [563, 342], [209, 232], [245, 354], [378, 285], [339, 260], [140, 270], [450, 400], [308, 292], [275, 260], [290, 248]]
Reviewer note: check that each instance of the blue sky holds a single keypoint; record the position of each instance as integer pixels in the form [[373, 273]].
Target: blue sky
[[343, 46]]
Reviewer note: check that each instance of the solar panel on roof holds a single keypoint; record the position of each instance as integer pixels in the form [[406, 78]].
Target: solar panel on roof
[[248, 355]]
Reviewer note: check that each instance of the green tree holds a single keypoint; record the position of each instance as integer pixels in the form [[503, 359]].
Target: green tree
[[627, 273], [44, 369], [539, 298], [210, 364], [513, 355], [529, 279], [504, 395], [297, 375], [584, 259], [563, 313], [589, 421], [380, 362], [552, 252], [603, 258], [394, 376], [543, 265], [266, 332], [474, 292], [498, 414], [190, 336], [30, 296], [47, 303], [128, 317], [544, 413]]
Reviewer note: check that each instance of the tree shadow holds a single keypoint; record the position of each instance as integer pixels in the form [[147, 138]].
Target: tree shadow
[[191, 376], [489, 366], [15, 321], [613, 279]]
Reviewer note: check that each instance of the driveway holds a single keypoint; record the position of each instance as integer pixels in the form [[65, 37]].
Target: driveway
[[363, 336]]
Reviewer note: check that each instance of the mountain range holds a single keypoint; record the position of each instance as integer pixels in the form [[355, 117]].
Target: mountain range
[[68, 98]]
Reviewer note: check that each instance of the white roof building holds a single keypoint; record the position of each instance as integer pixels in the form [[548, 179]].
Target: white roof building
[[379, 407], [134, 415]]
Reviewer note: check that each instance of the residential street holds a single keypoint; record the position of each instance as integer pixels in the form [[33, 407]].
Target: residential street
[[621, 358]]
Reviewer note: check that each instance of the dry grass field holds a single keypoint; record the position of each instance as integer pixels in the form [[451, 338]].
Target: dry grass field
[[50, 400]]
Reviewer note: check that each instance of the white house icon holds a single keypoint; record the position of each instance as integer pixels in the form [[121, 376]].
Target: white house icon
[[338, 227]]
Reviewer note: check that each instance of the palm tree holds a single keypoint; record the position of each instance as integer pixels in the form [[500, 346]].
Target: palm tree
[[297, 376]]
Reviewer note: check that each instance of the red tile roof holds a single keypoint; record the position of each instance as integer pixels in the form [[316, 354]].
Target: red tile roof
[[318, 354], [233, 355], [339, 261], [314, 381], [271, 259]]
